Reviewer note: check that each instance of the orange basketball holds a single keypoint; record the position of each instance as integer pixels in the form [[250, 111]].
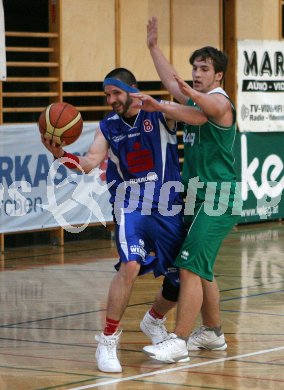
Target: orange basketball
[[61, 122]]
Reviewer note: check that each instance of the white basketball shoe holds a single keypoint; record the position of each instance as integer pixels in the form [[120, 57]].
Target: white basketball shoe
[[171, 350], [206, 338], [106, 352], [154, 328]]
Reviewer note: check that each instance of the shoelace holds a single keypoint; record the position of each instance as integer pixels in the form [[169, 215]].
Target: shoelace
[[199, 330], [169, 341], [197, 334], [110, 343], [109, 340], [159, 323], [111, 350]]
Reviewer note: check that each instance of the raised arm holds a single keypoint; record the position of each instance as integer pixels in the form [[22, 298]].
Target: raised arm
[[164, 69], [91, 160]]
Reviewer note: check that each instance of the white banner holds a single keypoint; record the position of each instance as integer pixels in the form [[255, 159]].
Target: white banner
[[2, 44], [260, 85], [38, 193]]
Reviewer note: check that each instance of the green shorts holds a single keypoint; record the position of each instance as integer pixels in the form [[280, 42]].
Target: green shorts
[[204, 238]]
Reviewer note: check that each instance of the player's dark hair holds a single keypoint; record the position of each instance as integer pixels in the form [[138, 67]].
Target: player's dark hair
[[219, 58], [124, 75]]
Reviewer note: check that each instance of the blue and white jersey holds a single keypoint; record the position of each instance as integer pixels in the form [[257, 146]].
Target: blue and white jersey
[[143, 159]]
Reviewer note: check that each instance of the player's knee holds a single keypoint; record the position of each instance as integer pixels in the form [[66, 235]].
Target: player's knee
[[169, 291], [129, 271]]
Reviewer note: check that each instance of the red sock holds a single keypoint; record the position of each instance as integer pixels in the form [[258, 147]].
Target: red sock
[[154, 314], [111, 326]]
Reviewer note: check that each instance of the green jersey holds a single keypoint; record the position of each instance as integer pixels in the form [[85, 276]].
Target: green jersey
[[208, 156]]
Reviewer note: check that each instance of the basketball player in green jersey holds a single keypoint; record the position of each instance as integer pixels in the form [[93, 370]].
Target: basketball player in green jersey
[[213, 199]]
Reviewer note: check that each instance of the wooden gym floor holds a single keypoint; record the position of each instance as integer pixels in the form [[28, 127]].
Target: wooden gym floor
[[52, 303]]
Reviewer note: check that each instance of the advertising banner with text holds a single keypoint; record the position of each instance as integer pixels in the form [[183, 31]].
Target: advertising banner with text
[[260, 97], [260, 166], [37, 192]]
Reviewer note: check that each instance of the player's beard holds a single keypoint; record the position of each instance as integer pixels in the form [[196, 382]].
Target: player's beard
[[123, 108]]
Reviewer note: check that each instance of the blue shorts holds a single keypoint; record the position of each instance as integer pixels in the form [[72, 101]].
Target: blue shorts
[[138, 235]]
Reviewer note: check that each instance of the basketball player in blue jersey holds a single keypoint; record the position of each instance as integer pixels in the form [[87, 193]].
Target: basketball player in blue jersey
[[144, 177]]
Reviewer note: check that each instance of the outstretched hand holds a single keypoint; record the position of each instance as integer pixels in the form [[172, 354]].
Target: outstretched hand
[[148, 103], [152, 32], [183, 86], [54, 148]]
